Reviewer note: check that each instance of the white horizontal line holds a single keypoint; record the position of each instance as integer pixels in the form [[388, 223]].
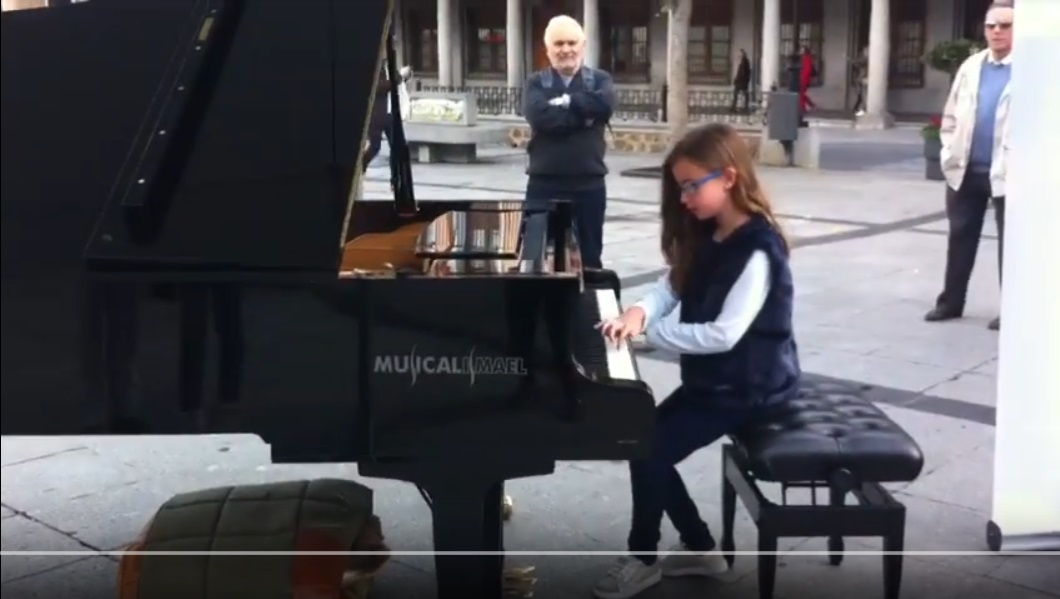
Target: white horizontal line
[[504, 553]]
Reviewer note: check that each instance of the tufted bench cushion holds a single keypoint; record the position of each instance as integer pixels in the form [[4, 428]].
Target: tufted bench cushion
[[829, 427]]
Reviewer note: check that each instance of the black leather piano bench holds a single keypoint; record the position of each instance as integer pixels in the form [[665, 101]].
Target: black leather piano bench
[[830, 437]]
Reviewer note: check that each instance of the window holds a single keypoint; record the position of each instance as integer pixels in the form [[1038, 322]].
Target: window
[[802, 26], [624, 48], [422, 39], [907, 43], [710, 42], [974, 14], [486, 48]]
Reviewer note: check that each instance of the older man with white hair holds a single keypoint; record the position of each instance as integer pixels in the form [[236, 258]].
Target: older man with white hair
[[567, 106]]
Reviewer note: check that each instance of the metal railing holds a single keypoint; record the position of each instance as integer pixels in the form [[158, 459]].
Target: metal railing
[[632, 105]]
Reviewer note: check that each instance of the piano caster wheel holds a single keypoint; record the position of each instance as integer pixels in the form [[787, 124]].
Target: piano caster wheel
[[507, 507]]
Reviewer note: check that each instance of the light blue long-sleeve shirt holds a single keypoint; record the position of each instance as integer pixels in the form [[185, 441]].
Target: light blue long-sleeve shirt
[[665, 330]]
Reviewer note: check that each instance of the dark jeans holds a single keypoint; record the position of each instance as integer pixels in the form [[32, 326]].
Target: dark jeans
[[111, 333], [966, 211], [376, 129], [736, 93], [588, 207], [683, 424]]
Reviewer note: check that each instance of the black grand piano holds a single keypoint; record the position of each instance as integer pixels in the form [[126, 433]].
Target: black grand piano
[[184, 252]]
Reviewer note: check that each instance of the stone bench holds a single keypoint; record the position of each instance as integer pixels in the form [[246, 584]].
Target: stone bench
[[444, 127], [831, 437]]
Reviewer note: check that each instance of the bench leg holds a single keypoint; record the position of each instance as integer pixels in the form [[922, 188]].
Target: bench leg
[[836, 498], [892, 563], [767, 564], [728, 516]]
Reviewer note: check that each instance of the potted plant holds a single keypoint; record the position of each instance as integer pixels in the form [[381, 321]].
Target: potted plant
[[948, 56], [932, 149]]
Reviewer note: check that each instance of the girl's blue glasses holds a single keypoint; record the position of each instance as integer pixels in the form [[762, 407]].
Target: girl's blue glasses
[[691, 187]]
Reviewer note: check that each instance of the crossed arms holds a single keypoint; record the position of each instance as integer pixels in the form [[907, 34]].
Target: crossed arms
[[580, 109]]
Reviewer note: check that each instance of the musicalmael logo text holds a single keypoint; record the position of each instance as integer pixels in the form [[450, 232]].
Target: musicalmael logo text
[[469, 365]]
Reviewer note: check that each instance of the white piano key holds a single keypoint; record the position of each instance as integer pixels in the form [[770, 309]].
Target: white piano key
[[619, 357]]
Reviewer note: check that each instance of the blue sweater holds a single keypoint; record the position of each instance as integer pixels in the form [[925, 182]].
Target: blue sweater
[[762, 368], [992, 82]]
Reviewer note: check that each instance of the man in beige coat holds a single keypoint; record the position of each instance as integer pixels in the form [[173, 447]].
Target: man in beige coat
[[974, 136]]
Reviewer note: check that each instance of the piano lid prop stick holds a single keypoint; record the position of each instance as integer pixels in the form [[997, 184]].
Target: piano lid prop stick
[[400, 158]]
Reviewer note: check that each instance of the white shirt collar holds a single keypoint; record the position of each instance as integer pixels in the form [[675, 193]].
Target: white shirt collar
[[1007, 60]]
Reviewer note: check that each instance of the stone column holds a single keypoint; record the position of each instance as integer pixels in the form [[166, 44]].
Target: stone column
[[770, 68], [513, 39], [591, 25], [1024, 515], [876, 115], [445, 42], [398, 26]]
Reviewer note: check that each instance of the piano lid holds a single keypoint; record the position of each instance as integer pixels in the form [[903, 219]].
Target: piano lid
[[248, 155], [73, 97]]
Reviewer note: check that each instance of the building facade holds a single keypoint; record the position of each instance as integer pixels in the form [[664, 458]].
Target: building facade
[[490, 44]]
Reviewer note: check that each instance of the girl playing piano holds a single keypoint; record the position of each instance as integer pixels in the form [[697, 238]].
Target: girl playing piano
[[725, 306]]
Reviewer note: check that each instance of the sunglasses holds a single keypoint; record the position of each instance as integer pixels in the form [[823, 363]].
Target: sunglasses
[[691, 187], [1001, 26]]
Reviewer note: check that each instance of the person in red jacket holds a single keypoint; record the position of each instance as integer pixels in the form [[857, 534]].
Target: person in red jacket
[[806, 74]]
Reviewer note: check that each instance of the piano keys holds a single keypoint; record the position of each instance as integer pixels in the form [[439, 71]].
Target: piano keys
[[222, 277], [618, 356]]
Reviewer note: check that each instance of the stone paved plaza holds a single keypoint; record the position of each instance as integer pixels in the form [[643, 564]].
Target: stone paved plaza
[[870, 246]]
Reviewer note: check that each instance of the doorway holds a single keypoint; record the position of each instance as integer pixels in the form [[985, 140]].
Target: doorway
[[858, 41], [970, 16]]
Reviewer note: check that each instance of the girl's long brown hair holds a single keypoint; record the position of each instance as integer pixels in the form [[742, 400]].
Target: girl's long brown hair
[[713, 147]]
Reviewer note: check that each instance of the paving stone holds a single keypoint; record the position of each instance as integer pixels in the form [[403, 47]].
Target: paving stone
[[22, 534], [39, 485], [970, 386], [934, 526], [1041, 573], [85, 578], [951, 483]]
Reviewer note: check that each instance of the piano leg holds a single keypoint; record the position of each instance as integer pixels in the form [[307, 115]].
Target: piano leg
[[466, 505], [194, 323], [228, 326], [198, 302], [110, 333], [468, 518]]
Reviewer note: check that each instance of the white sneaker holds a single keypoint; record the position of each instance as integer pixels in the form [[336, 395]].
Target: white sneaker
[[683, 563], [628, 577]]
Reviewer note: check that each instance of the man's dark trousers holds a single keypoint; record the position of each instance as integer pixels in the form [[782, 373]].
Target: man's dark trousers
[[379, 125], [588, 206], [737, 92], [966, 211]]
